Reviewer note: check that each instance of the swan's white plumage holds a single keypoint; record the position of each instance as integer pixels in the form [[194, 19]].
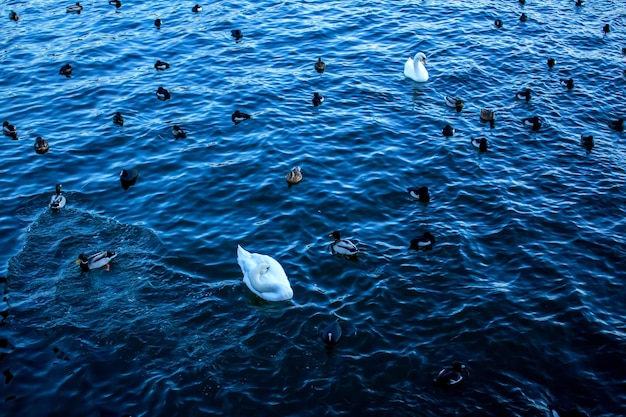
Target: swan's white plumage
[[264, 276], [415, 69]]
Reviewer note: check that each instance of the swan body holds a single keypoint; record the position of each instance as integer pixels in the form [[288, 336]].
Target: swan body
[[95, 261], [451, 376], [163, 94], [58, 200], [320, 65], [264, 276], [128, 178], [331, 334], [161, 65], [118, 119], [480, 143], [41, 145], [454, 102], [75, 8], [238, 116], [342, 246], [426, 241], [295, 175], [420, 193], [9, 130], [415, 69]]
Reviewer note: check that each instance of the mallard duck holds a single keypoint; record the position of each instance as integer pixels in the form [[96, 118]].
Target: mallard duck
[[331, 334], [480, 143], [238, 116], [454, 102], [66, 70], [9, 130], [523, 94], [264, 276], [587, 142], [118, 119], [95, 261], [448, 130], [415, 68], [568, 83], [606, 29], [163, 94], [161, 65], [426, 241], [451, 376], [14, 16], [533, 122], [116, 3], [294, 176], [57, 201], [128, 177], [317, 99], [342, 246], [196, 9], [617, 124], [41, 145], [320, 65], [523, 17], [236, 33], [487, 115], [179, 132], [551, 62], [420, 193], [75, 8], [158, 23], [498, 23]]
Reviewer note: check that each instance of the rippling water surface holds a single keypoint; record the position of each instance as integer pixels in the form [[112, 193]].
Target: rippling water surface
[[525, 284]]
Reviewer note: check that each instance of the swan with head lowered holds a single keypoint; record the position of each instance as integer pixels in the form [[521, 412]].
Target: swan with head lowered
[[264, 276], [415, 69]]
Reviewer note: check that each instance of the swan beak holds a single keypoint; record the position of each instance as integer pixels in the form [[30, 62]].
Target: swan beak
[[424, 60]]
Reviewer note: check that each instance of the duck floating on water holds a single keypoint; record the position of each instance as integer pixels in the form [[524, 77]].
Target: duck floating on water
[[95, 261], [14, 16], [568, 83], [498, 23], [448, 130], [294, 176], [331, 334], [264, 276], [454, 102], [162, 94], [41, 145], [523, 94], [523, 17], [9, 130], [480, 143], [551, 62], [158, 23], [128, 178], [317, 99], [320, 65], [236, 33], [161, 65], [75, 8], [342, 246], [587, 142], [118, 119], [451, 376], [487, 115], [196, 9], [617, 124], [606, 29], [421, 193], [58, 200], [415, 68], [426, 241], [179, 132], [116, 3], [238, 116], [66, 70], [533, 122]]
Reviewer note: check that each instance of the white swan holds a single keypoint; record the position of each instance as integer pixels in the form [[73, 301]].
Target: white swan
[[415, 69], [264, 276]]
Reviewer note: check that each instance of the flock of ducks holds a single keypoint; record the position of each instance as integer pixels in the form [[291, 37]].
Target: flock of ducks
[[262, 274]]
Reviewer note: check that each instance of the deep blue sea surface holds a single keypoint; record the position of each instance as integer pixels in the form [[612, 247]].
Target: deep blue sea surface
[[525, 284]]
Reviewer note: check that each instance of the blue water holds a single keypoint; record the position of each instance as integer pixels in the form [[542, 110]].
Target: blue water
[[524, 285]]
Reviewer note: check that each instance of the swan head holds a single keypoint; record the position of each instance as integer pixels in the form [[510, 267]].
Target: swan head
[[420, 57]]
